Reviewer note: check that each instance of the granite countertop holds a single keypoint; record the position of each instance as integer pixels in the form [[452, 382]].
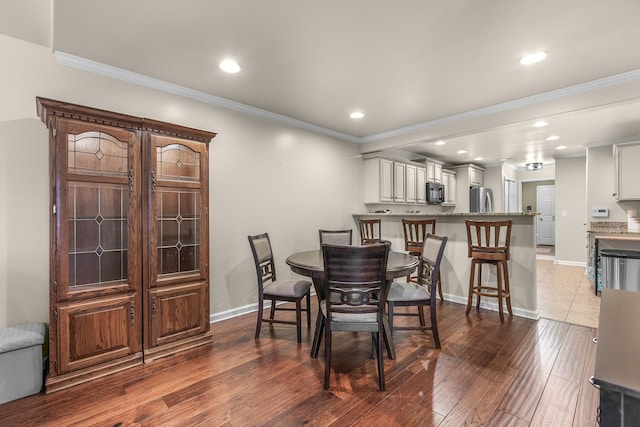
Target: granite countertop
[[450, 214], [610, 227]]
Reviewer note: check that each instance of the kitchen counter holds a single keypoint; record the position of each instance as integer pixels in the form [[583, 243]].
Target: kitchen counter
[[456, 265], [445, 214]]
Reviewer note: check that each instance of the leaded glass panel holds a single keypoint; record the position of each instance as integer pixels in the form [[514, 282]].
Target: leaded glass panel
[[178, 230], [178, 162], [97, 153], [98, 227]]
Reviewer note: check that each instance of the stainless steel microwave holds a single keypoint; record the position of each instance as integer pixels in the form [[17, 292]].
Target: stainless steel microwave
[[435, 193]]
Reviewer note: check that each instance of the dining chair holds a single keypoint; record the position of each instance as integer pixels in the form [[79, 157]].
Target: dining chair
[[414, 235], [336, 237], [489, 242], [271, 289], [356, 287], [422, 293]]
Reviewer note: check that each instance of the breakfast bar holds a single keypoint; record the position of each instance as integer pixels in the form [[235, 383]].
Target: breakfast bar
[[456, 266]]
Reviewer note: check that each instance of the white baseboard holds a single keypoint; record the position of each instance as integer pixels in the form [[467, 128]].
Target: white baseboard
[[573, 263], [535, 315], [240, 311]]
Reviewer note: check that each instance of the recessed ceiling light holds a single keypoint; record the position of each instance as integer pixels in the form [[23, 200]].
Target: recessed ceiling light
[[561, 147], [553, 138], [477, 159], [357, 115], [540, 124], [441, 142], [229, 66], [462, 151], [533, 58], [504, 159]]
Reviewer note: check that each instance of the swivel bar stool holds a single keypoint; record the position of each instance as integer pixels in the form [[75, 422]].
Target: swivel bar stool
[[488, 243]]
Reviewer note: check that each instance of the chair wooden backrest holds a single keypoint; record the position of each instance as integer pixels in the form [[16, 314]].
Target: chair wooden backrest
[[370, 231], [336, 237], [415, 232], [263, 259], [356, 282], [430, 259], [489, 240]]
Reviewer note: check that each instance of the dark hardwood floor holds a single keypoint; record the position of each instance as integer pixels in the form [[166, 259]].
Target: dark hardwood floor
[[518, 374]]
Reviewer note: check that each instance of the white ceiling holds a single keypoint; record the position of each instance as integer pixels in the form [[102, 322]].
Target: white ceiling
[[421, 70]]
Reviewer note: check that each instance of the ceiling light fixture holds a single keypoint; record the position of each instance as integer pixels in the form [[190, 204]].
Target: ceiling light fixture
[[477, 159], [533, 166], [533, 58], [540, 124], [229, 66], [462, 151], [561, 147], [357, 115], [441, 142], [553, 138]]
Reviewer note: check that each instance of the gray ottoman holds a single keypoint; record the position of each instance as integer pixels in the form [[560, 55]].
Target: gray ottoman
[[21, 360]]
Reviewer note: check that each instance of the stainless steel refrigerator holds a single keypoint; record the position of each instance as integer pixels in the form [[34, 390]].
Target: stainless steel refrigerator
[[480, 199]]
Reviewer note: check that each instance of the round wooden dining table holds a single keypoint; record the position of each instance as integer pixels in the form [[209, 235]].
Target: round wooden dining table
[[311, 264]]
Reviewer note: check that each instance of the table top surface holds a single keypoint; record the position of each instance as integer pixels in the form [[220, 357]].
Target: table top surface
[[311, 262]]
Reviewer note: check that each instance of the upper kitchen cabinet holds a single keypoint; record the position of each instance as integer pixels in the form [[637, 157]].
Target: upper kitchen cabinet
[[476, 176], [129, 243], [388, 180], [434, 170], [627, 159], [450, 181]]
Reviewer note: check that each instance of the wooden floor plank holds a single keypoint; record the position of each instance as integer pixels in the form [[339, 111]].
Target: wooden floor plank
[[509, 368]]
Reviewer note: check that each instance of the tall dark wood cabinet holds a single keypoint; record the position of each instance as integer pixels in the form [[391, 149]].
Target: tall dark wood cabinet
[[129, 273]]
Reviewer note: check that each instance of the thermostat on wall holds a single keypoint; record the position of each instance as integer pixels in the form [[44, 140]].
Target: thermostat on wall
[[600, 212]]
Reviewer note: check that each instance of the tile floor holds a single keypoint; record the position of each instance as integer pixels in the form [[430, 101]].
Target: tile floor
[[565, 294]]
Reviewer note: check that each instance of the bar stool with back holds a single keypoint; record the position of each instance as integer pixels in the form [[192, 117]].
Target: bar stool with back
[[414, 236], [489, 243], [370, 232]]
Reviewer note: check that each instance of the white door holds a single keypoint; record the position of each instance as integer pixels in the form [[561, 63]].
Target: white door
[[546, 202]]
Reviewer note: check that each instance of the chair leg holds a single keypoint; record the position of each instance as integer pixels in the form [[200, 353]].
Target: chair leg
[[259, 322], [390, 315], [471, 279], [421, 316], [317, 336], [440, 286], [299, 320], [506, 286], [273, 309], [479, 283], [434, 323], [380, 357], [327, 354], [308, 309], [499, 284]]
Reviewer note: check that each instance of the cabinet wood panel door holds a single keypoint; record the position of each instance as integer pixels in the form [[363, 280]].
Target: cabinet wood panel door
[[95, 229], [178, 236], [411, 188]]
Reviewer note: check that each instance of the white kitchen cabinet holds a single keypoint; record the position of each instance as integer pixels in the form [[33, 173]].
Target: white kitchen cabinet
[[450, 181], [411, 184], [421, 183], [399, 172], [627, 159], [434, 171], [476, 176]]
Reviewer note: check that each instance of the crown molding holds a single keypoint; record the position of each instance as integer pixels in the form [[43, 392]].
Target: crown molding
[[174, 89]]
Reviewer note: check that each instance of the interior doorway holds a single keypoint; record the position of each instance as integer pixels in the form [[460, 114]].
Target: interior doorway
[[546, 203]]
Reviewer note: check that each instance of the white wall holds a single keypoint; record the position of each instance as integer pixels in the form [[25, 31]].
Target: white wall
[[571, 191], [263, 177], [601, 185]]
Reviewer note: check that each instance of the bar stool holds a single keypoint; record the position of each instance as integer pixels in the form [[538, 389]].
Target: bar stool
[[414, 235], [488, 243], [369, 231]]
